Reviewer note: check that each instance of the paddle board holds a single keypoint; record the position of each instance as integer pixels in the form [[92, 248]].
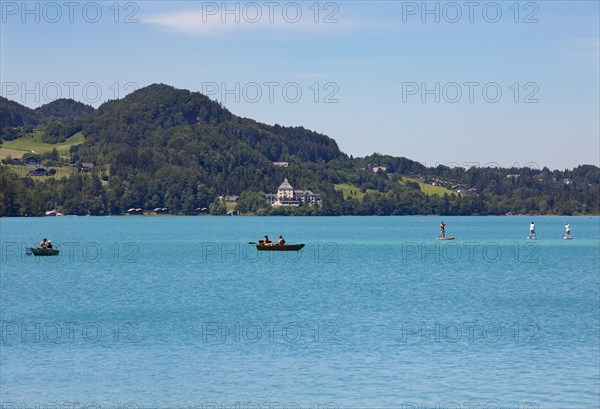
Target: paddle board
[[445, 238]]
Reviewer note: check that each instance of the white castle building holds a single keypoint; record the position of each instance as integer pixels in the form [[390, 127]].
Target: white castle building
[[287, 196]]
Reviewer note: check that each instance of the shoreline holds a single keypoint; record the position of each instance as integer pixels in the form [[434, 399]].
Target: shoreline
[[296, 215]]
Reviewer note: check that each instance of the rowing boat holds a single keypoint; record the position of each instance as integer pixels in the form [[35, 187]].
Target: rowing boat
[[42, 252], [279, 247]]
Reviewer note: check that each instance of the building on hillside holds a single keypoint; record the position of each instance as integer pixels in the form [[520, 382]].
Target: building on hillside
[[285, 191], [439, 182], [30, 161], [288, 196], [229, 198], [271, 198], [38, 172], [86, 167]]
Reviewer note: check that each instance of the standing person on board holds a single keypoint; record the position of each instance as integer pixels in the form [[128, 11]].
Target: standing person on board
[[442, 230], [532, 230]]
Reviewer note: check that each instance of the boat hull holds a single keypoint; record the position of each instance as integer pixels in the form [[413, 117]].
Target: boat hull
[[277, 247], [44, 252]]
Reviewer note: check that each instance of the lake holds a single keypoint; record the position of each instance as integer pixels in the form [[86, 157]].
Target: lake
[[168, 311]]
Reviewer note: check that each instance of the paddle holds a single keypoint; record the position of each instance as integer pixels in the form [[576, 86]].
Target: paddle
[[252, 242]]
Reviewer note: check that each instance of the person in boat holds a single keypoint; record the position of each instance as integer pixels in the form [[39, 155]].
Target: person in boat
[[281, 241], [531, 230], [266, 240], [442, 230], [49, 245], [567, 230], [43, 243]]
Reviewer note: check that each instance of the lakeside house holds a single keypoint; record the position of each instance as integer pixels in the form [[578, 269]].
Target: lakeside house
[[288, 196], [52, 213]]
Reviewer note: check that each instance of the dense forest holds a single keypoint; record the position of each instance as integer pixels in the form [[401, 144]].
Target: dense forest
[[161, 147]]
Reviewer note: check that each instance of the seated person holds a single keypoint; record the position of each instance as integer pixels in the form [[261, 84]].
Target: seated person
[[43, 244], [49, 245], [281, 241], [266, 240]]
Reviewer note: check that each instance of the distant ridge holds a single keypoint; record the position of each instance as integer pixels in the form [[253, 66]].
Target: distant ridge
[[64, 109], [167, 148]]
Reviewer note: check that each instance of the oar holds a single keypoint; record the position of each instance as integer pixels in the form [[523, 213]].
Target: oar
[[252, 242]]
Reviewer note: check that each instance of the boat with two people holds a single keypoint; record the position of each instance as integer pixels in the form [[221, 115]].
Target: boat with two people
[[44, 249], [281, 245]]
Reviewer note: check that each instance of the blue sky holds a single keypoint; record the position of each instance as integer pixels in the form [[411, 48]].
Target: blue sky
[[438, 82]]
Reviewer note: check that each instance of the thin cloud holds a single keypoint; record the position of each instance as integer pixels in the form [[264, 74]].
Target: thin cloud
[[217, 22], [189, 22], [309, 75]]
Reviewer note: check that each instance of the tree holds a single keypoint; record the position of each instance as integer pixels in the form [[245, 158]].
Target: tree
[[217, 208], [251, 202]]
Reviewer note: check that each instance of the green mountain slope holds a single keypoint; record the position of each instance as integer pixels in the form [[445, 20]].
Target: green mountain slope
[[165, 147]]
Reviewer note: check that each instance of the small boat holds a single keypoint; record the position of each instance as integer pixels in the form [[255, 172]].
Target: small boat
[[279, 247], [41, 251]]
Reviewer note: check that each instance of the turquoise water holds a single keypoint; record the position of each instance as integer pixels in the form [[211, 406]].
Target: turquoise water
[[372, 313]]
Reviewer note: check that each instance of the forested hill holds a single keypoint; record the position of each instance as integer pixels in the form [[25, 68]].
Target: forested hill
[[170, 148], [13, 114], [154, 115], [64, 109], [167, 142]]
